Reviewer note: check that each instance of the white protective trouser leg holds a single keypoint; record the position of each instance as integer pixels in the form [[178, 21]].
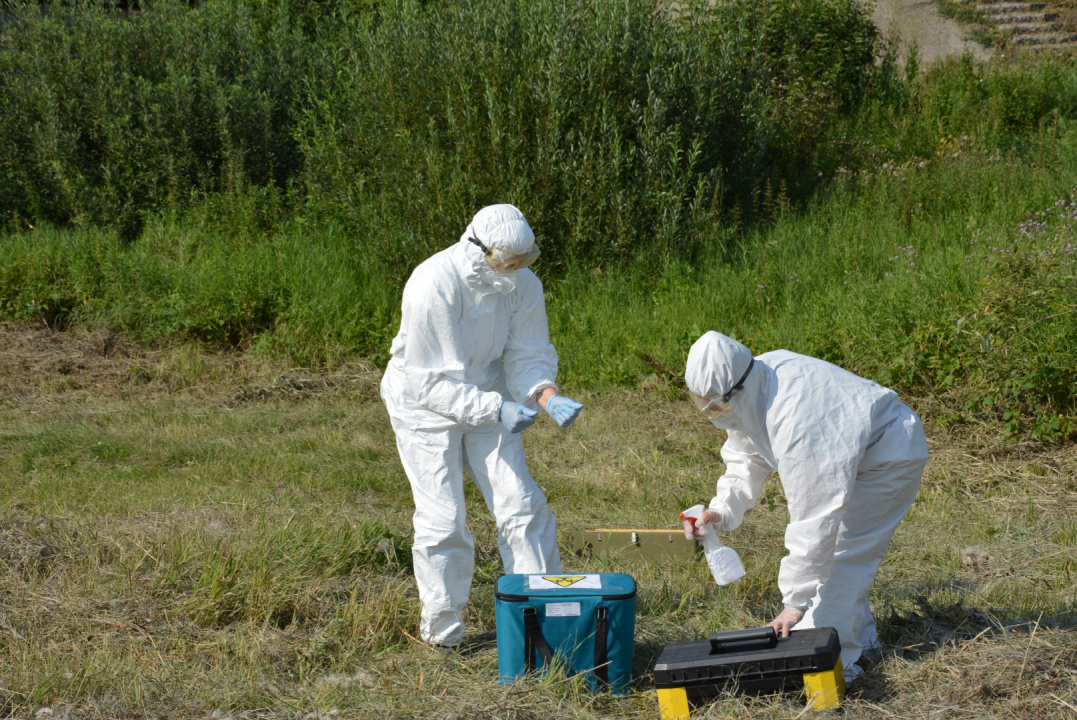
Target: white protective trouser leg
[[885, 489], [444, 549]]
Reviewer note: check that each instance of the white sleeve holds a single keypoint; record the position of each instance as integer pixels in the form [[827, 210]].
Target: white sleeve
[[530, 360], [740, 486], [817, 489], [434, 362]]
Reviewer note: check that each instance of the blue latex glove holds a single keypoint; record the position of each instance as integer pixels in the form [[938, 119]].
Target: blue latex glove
[[516, 417], [563, 410]]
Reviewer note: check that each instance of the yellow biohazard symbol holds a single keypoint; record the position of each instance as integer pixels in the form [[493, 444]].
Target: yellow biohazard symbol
[[564, 581]]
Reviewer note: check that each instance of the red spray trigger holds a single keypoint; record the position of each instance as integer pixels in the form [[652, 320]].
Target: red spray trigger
[[695, 512]]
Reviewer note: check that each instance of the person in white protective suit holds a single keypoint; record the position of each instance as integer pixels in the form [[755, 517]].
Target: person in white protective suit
[[850, 456], [471, 367]]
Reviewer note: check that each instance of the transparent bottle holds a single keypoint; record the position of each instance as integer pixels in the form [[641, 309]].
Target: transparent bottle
[[723, 561]]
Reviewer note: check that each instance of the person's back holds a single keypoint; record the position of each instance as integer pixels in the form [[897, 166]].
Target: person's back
[[849, 454], [815, 402]]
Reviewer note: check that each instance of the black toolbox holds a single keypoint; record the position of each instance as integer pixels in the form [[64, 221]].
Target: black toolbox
[[750, 661]]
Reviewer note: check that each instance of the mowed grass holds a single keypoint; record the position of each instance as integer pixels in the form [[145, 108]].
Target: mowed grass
[[183, 534]]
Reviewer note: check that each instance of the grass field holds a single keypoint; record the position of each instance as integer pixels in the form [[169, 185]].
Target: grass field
[[196, 201], [204, 535]]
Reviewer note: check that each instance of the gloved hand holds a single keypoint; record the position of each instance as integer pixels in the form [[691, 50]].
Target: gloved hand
[[786, 620], [698, 528], [516, 417], [563, 410]]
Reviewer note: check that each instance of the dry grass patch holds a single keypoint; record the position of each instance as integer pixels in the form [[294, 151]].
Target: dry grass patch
[[50, 367], [182, 555]]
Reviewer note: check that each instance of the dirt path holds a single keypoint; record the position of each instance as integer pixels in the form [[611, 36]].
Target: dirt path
[[919, 22]]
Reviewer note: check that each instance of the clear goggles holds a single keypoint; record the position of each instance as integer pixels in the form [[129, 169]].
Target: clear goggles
[[711, 406], [506, 262], [715, 405]]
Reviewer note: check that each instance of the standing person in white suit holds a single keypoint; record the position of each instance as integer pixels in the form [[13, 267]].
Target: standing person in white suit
[[850, 456], [471, 367]]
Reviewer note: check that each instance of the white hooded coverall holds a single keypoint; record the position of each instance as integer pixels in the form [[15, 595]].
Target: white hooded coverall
[[469, 339], [850, 456]]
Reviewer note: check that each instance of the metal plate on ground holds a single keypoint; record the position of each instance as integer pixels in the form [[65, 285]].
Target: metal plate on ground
[[634, 545]]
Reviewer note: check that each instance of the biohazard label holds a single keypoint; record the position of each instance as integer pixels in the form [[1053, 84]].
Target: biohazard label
[[551, 582]]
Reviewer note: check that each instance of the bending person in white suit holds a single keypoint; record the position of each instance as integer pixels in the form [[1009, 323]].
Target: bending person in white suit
[[850, 456], [471, 367]]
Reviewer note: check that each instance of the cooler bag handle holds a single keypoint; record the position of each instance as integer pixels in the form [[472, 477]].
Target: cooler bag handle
[[601, 662], [533, 641]]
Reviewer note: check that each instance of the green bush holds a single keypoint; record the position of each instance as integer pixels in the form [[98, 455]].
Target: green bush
[[957, 105], [105, 116], [1024, 326], [756, 168], [828, 45], [209, 278], [215, 295], [883, 274], [619, 127]]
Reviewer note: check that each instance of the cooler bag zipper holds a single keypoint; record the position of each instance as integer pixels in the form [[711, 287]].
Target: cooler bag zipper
[[527, 598]]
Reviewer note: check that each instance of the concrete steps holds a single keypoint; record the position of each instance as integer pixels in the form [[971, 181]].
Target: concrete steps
[[1030, 28], [1031, 25], [1048, 41], [1021, 19], [1011, 8]]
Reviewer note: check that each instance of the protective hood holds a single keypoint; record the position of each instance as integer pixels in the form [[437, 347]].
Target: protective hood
[[496, 226], [716, 363]]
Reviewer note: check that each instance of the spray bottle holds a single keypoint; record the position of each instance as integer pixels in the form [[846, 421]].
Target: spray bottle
[[723, 561]]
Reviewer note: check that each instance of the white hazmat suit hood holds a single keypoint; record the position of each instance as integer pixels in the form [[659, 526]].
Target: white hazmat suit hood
[[716, 364], [850, 456], [497, 226]]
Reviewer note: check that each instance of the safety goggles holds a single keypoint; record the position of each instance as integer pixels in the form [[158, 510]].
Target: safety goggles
[[506, 262], [714, 405], [710, 406]]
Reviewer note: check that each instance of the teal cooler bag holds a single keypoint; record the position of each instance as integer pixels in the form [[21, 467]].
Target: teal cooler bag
[[589, 620]]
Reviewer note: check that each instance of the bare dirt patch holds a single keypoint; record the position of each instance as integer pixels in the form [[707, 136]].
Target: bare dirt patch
[[47, 366], [919, 23]]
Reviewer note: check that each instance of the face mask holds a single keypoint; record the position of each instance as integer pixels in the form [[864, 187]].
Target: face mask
[[505, 262]]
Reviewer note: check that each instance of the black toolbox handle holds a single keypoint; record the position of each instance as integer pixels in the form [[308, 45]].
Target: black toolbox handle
[[738, 636]]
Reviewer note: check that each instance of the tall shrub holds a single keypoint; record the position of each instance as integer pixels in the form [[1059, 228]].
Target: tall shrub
[[105, 115], [618, 126]]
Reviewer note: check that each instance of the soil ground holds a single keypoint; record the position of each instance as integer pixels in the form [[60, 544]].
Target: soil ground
[[919, 22], [187, 534]]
